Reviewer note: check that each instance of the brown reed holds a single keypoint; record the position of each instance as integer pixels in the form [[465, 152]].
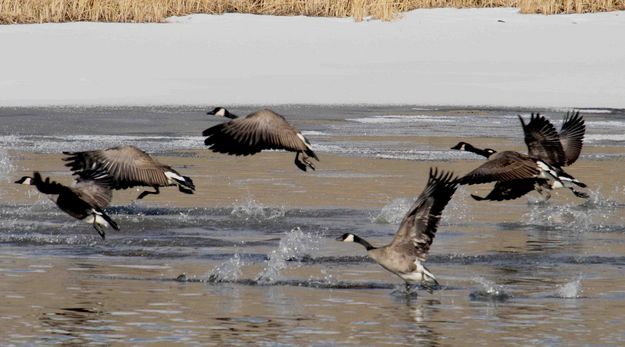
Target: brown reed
[[42, 11]]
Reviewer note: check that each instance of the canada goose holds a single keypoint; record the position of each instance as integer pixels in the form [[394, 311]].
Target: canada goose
[[549, 149], [255, 132], [84, 201], [405, 254], [516, 174], [127, 167]]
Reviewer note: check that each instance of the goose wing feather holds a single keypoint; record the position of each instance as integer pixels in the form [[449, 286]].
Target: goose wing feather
[[509, 190], [256, 132], [93, 193], [504, 166], [127, 166], [572, 136], [542, 140], [418, 228]]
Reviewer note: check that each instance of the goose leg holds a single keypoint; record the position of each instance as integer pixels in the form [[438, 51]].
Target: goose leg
[[579, 194], [145, 193], [299, 163], [307, 162], [407, 288], [544, 192], [98, 228]]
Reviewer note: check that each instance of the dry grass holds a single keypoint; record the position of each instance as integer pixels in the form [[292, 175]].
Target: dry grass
[[40, 11]]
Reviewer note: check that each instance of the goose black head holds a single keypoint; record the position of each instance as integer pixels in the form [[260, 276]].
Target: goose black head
[[347, 237], [221, 112], [25, 180], [462, 146], [488, 152]]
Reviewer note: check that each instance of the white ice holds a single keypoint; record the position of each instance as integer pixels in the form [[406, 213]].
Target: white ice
[[494, 57]]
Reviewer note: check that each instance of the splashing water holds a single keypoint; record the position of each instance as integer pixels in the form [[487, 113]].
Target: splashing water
[[292, 246], [6, 167], [458, 211], [228, 271], [596, 214], [571, 290], [393, 212], [489, 291], [250, 210]]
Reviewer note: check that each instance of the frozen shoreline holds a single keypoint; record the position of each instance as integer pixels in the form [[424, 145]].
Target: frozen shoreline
[[470, 57]]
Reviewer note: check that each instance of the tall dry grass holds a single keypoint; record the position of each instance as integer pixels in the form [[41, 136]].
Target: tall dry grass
[[40, 11]]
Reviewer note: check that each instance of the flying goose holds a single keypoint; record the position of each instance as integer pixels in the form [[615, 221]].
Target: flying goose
[[127, 167], [83, 201], [516, 174], [549, 149], [405, 254], [255, 132]]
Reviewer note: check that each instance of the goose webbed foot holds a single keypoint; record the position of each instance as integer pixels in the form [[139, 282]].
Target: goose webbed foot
[[99, 228], [580, 194], [543, 190], [303, 164], [477, 197], [308, 162], [146, 193], [185, 190]]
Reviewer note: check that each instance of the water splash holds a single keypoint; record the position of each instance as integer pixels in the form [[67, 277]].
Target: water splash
[[489, 291], [458, 211], [228, 271], [250, 210], [393, 212], [571, 290], [596, 214], [294, 245], [6, 166]]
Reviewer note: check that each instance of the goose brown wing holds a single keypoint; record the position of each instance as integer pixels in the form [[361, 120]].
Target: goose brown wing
[[254, 133], [504, 166], [542, 140], [127, 166], [509, 190], [418, 228], [93, 193], [572, 136]]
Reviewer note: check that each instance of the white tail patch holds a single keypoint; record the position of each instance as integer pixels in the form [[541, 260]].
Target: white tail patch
[[546, 171], [557, 184], [98, 219], [172, 177], [301, 137], [419, 275]]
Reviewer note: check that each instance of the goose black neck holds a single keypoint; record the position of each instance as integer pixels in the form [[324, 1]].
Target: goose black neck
[[363, 242], [478, 151]]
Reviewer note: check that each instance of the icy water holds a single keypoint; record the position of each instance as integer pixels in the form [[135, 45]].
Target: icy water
[[251, 257]]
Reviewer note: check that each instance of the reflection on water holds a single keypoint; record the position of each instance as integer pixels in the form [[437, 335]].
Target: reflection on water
[[251, 257]]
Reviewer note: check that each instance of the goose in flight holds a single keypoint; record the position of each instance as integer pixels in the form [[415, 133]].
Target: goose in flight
[[405, 255], [517, 174], [255, 132], [127, 167], [84, 201]]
